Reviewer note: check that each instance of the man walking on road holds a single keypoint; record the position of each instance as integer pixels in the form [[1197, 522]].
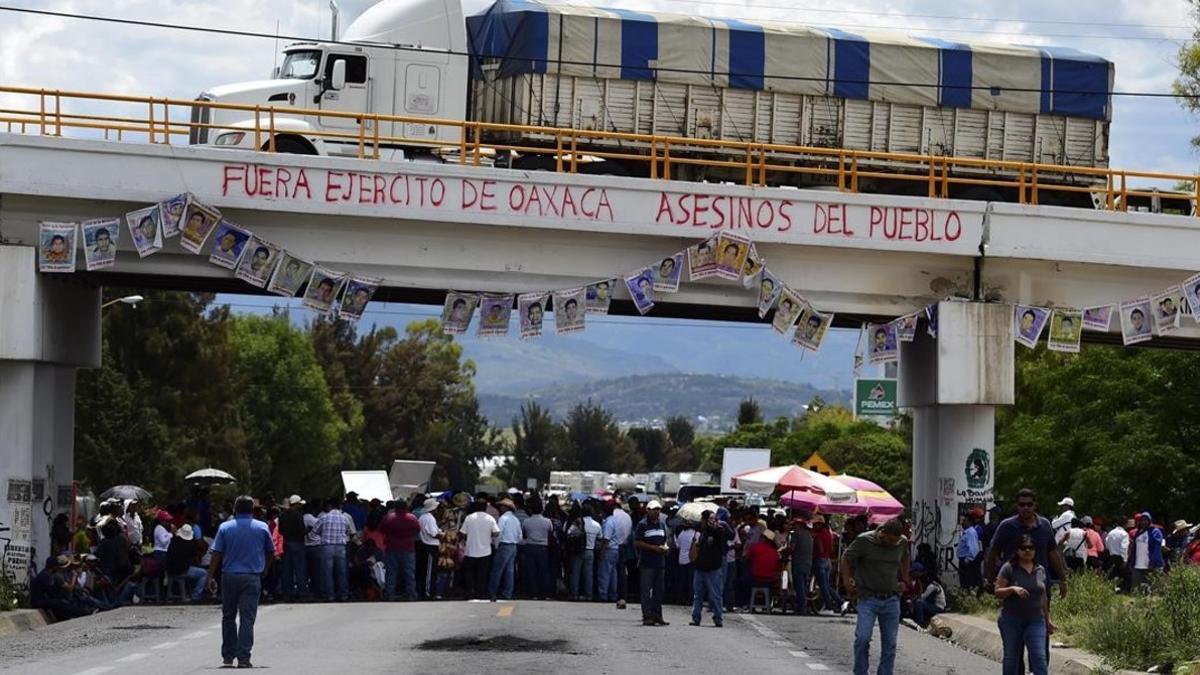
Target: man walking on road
[[870, 567], [505, 559], [242, 553], [650, 540]]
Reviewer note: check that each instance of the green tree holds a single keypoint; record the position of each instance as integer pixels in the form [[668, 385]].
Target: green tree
[[881, 456], [680, 431], [651, 444], [749, 412], [538, 440], [594, 441], [1187, 84]]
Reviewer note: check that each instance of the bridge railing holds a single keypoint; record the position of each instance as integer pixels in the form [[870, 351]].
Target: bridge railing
[[157, 120]]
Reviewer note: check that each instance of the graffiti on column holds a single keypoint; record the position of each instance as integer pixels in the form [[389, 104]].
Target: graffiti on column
[[927, 529]]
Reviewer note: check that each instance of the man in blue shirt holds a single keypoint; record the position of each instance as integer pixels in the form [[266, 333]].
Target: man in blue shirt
[[968, 550], [650, 540], [505, 558], [242, 553]]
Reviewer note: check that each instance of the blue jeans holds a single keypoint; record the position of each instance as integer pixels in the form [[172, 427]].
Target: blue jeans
[[197, 578], [607, 586], [800, 574], [334, 581], [295, 569], [503, 562], [1020, 635], [821, 570], [581, 565], [239, 605], [923, 611], [728, 581], [401, 572], [707, 585], [538, 582], [887, 610]]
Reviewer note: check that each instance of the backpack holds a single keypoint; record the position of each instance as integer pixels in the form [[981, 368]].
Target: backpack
[[576, 540]]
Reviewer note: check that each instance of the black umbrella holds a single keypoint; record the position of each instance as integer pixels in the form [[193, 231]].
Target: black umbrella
[[126, 492]]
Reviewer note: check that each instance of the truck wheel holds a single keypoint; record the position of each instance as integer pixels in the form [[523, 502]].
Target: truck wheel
[[291, 145]]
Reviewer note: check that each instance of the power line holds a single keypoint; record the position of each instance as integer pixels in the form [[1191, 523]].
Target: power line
[[590, 64]]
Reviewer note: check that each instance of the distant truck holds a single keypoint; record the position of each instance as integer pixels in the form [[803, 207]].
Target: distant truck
[[545, 66], [587, 482]]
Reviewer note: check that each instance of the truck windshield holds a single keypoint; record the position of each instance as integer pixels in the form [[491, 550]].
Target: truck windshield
[[300, 65]]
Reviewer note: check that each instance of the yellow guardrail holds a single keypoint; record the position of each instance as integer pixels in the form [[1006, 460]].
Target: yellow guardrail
[[165, 120]]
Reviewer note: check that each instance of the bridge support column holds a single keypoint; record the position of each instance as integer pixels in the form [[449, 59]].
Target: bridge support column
[[951, 386], [49, 328]]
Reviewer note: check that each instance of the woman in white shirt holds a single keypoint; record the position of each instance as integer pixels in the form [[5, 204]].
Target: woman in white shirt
[[163, 531]]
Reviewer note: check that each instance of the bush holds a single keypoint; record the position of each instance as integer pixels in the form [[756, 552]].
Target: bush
[[9, 596], [966, 602]]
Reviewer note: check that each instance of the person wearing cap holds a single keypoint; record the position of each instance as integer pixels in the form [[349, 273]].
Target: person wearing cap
[[650, 541], [163, 531], [800, 552], [869, 569], [1063, 522], [428, 541], [504, 560], [242, 554], [1178, 540], [181, 562], [53, 590], [1145, 550], [295, 559]]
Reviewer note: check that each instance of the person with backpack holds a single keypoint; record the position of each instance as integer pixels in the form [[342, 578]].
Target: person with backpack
[[707, 558], [1074, 545]]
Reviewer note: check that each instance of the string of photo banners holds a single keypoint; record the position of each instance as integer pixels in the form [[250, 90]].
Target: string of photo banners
[[728, 255]]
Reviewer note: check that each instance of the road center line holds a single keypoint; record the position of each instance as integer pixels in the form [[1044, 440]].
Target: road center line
[[133, 657], [197, 635], [817, 666], [165, 645], [506, 611], [95, 671], [799, 655]]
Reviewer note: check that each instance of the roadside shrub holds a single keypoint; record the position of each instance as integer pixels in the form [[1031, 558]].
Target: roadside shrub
[[966, 602], [9, 597]]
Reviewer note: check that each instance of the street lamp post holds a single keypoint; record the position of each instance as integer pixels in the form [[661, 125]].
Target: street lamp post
[[128, 300]]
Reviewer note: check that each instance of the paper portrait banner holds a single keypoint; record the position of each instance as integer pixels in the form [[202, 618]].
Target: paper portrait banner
[[769, 288], [456, 313], [883, 343], [228, 241], [931, 316], [1098, 318], [906, 327], [702, 259], [197, 223], [753, 268], [1165, 305], [811, 328], [599, 296], [640, 285], [787, 311], [323, 287], [100, 242], [258, 260], [358, 292], [289, 275], [531, 309], [170, 212], [495, 314], [1028, 323], [1191, 290], [732, 249], [1136, 321], [56, 247], [570, 310], [667, 273], [145, 230], [1066, 330]]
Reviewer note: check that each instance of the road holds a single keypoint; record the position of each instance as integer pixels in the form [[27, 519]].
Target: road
[[456, 637]]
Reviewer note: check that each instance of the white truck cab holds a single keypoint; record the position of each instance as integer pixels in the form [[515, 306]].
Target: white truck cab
[[400, 57]]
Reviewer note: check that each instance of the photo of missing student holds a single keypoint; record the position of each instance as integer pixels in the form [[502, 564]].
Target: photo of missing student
[[885, 347], [1098, 318], [170, 212], [257, 262], [495, 315], [1028, 323], [197, 223], [359, 291], [1136, 321], [599, 296], [1066, 330], [569, 314], [323, 288], [753, 267], [906, 327], [769, 288], [228, 241], [811, 328], [457, 312], [145, 231], [702, 259], [1166, 310], [100, 242], [531, 308], [789, 308], [289, 275], [667, 273], [732, 249], [1191, 290], [56, 247], [640, 285]]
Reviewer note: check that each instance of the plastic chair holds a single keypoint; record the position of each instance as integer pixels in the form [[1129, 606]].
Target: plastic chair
[[150, 589], [765, 593], [177, 589]]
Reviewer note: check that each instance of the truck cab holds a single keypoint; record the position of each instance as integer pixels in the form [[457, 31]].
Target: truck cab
[[401, 57]]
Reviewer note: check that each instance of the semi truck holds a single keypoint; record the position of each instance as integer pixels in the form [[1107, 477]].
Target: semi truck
[[798, 90]]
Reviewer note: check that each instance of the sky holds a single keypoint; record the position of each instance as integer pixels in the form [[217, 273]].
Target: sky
[[1141, 37]]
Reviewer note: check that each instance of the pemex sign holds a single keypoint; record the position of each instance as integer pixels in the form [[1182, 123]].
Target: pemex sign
[[875, 397]]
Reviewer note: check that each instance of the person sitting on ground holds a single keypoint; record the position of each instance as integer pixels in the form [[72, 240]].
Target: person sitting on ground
[[53, 589], [932, 600]]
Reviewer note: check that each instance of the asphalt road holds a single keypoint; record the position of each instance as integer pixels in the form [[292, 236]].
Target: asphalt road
[[463, 637]]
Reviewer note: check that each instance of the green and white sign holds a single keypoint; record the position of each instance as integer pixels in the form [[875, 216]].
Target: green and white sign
[[875, 397]]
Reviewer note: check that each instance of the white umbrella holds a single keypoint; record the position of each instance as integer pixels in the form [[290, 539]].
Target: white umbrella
[[209, 476], [693, 511], [792, 477]]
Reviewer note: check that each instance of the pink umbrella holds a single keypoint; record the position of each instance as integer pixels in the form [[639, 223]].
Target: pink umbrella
[[789, 478], [870, 498]]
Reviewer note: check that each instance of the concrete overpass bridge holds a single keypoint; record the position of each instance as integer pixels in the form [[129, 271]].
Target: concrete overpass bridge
[[426, 227]]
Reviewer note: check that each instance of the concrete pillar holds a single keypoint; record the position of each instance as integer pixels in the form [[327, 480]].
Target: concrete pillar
[[49, 327], [950, 386]]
